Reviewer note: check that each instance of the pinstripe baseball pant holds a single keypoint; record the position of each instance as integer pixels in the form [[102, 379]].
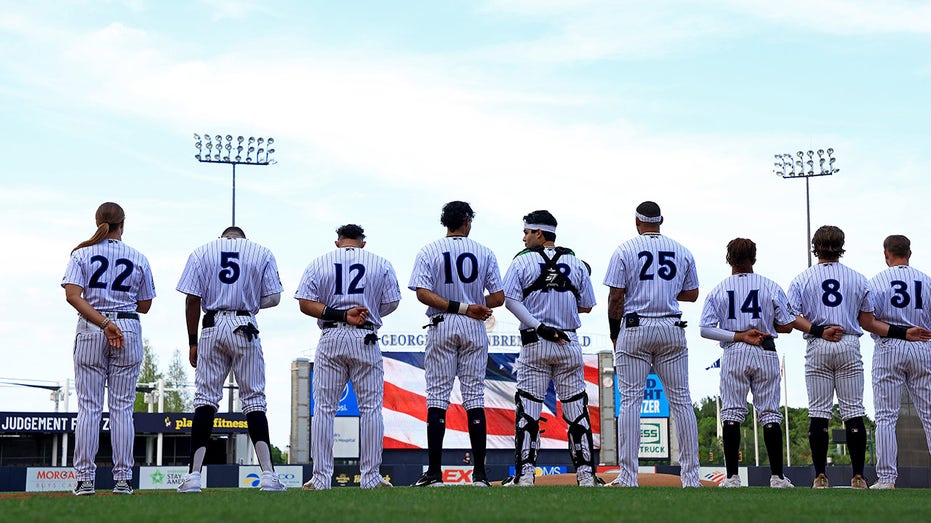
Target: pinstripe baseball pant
[[456, 346], [221, 350], [342, 355], [658, 344], [97, 367], [748, 368], [898, 363], [834, 366]]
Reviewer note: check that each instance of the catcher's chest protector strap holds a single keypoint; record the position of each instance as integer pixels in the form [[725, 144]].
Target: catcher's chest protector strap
[[550, 276]]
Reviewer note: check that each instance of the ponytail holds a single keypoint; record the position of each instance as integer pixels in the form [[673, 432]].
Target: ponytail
[[109, 217]]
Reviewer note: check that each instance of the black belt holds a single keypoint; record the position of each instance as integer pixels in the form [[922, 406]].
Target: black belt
[[210, 317], [333, 324], [122, 315], [528, 336], [632, 319]]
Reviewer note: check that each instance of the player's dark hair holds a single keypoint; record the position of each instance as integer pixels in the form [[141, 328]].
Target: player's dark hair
[[898, 245], [741, 254], [351, 231], [455, 214], [109, 216], [544, 218], [828, 242], [649, 209], [233, 232]]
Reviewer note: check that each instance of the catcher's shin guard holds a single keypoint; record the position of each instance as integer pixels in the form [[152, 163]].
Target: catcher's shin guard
[[581, 445], [526, 429]]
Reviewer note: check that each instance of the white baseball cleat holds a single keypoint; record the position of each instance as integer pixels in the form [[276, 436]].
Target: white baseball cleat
[[732, 482], [584, 477], [190, 483], [777, 482], [526, 477], [271, 482], [881, 485]]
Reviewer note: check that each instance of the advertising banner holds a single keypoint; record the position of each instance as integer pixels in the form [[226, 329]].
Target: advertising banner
[[654, 438], [251, 476], [50, 479], [165, 478]]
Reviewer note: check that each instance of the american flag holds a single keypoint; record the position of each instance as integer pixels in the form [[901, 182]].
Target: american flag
[[405, 405]]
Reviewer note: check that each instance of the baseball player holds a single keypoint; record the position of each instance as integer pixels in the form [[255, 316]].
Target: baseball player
[[832, 294], [348, 290], [230, 279], [648, 276], [109, 283], [898, 295], [450, 277], [546, 287], [744, 313]]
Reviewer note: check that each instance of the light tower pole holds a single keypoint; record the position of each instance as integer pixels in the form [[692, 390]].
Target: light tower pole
[[788, 166], [220, 149]]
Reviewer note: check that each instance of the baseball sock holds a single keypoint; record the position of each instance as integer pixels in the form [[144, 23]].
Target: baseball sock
[[478, 433], [436, 429], [818, 439], [772, 437], [856, 443], [258, 432], [201, 427], [731, 435]]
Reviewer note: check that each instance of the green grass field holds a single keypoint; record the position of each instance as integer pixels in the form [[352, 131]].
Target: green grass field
[[557, 504]]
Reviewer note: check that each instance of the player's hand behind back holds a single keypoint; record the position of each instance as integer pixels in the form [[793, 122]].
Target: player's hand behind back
[[750, 336], [477, 311], [357, 316], [918, 334]]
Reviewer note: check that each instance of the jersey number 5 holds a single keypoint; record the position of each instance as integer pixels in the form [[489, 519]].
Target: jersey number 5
[[230, 272]]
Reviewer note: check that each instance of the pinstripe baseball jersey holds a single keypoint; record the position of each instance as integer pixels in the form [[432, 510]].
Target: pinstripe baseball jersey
[[898, 295], [350, 277], [114, 276], [457, 268], [556, 309], [231, 274], [744, 301], [653, 269], [830, 293]]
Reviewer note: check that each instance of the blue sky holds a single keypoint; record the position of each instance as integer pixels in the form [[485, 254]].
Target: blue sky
[[383, 111]]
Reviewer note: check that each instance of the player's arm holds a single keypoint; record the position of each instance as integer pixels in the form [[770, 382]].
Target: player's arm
[[473, 310], [869, 322], [387, 308], [74, 295], [783, 329], [615, 312], [690, 295], [830, 333], [495, 299], [271, 300], [353, 316], [519, 310], [192, 319], [143, 306], [585, 310]]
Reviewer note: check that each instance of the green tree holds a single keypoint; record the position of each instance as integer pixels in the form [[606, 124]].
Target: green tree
[[148, 374], [278, 457]]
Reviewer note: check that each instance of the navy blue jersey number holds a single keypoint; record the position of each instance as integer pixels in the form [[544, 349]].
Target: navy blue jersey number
[[666, 261], [460, 267], [230, 272], [751, 305], [119, 283], [832, 296], [901, 298], [356, 272]]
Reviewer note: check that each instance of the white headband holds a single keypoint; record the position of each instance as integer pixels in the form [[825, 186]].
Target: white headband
[[649, 219], [540, 226]]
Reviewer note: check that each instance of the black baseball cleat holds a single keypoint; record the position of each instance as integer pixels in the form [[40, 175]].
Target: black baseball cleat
[[429, 480], [480, 480], [84, 488]]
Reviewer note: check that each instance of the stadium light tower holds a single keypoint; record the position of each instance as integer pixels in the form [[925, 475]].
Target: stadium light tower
[[220, 149], [788, 166]]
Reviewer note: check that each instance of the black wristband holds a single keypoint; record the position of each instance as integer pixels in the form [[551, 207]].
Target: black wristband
[[192, 339], [614, 326], [331, 314], [816, 330], [453, 307], [897, 331]]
